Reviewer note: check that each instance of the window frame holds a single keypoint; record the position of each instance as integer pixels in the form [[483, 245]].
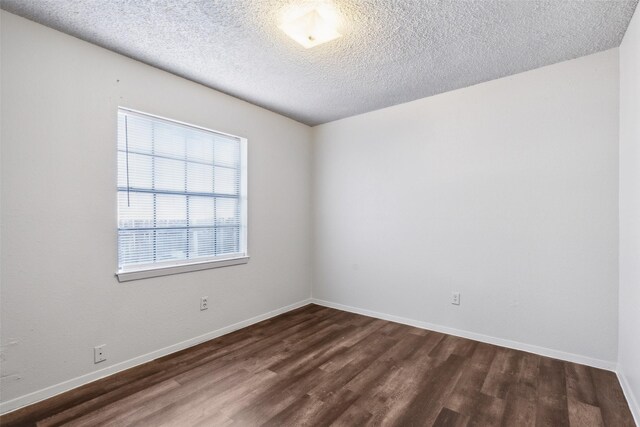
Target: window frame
[[165, 268]]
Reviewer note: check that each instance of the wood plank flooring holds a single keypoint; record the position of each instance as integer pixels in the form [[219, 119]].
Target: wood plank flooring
[[317, 366]]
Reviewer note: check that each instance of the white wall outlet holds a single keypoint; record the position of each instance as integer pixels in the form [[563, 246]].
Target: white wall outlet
[[455, 298], [99, 354], [204, 303]]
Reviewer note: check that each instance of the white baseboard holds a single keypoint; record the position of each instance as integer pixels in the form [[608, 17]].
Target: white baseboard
[[556, 354], [51, 391], [45, 393], [634, 405]]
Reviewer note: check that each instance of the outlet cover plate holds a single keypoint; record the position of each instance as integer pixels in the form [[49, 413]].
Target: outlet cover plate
[[99, 353], [455, 298]]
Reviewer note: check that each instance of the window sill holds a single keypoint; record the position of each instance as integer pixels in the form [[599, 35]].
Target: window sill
[[126, 276]]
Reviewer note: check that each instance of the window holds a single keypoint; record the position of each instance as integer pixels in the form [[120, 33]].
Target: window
[[182, 201]]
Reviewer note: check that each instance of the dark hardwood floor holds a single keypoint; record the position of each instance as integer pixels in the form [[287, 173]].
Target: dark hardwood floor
[[318, 366]]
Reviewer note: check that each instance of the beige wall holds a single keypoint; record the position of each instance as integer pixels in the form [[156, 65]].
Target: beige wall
[[59, 294], [506, 191], [629, 352]]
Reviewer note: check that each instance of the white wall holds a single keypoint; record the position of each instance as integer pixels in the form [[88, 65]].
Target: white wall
[[506, 191], [629, 339], [59, 294]]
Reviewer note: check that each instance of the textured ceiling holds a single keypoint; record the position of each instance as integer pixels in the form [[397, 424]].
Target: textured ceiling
[[392, 51]]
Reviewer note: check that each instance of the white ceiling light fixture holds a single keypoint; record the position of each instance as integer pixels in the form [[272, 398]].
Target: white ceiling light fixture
[[311, 27]]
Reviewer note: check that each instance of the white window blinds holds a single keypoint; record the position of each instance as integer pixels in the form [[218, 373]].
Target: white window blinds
[[180, 193]]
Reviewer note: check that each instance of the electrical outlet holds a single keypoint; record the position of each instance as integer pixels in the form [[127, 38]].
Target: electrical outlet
[[204, 303], [99, 353], [455, 298]]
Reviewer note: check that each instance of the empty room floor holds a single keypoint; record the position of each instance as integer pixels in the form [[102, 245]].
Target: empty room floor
[[319, 366]]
